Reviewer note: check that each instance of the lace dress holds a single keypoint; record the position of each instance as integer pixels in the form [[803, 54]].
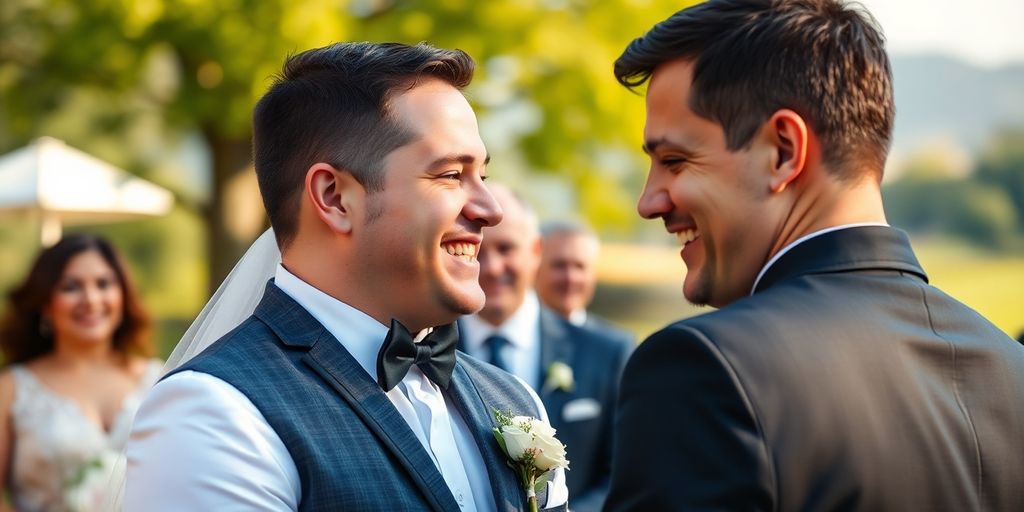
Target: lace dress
[[61, 459]]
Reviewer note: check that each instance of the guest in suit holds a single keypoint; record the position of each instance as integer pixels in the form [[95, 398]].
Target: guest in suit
[[833, 376], [371, 169], [576, 371], [567, 275]]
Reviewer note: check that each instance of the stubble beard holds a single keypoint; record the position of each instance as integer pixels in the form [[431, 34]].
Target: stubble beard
[[701, 295]]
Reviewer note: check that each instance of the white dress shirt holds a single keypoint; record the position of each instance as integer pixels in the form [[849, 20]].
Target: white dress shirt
[[578, 317], [522, 330], [200, 444], [803, 239]]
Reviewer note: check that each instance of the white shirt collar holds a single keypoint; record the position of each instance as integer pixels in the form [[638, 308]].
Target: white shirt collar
[[578, 317], [359, 333], [803, 239], [521, 328]]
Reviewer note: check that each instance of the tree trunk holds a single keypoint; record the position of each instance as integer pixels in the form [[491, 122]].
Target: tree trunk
[[230, 156]]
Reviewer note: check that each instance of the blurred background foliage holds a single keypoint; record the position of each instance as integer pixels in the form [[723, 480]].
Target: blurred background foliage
[[983, 206], [165, 89]]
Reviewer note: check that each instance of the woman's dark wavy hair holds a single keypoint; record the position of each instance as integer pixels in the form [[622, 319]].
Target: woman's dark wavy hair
[[20, 336], [333, 105], [820, 58]]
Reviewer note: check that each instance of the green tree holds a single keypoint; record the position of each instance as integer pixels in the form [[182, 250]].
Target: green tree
[[121, 67], [1002, 165], [976, 212]]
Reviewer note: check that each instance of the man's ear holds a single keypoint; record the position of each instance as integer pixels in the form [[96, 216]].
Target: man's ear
[[788, 132], [335, 196], [536, 250]]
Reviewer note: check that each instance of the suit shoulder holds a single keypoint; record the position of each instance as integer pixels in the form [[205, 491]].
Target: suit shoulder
[[598, 340], [606, 328], [238, 342], [673, 336], [763, 317]]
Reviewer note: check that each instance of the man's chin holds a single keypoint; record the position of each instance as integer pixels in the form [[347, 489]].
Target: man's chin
[[697, 292], [465, 300]]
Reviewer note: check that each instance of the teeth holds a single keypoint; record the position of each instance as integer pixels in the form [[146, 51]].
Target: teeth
[[462, 249], [687, 235]]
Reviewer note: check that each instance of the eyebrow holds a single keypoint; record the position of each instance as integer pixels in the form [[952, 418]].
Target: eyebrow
[[651, 145], [464, 159]]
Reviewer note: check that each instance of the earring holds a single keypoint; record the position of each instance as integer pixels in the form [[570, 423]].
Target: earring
[[45, 327]]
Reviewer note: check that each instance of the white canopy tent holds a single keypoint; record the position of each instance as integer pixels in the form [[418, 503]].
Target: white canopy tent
[[67, 186]]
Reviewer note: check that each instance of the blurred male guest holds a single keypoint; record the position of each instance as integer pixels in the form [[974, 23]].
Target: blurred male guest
[[576, 371], [833, 376], [567, 275]]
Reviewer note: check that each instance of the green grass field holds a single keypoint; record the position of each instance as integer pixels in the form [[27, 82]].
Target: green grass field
[[641, 286]]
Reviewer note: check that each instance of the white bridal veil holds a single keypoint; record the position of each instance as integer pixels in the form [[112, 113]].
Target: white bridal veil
[[233, 302]]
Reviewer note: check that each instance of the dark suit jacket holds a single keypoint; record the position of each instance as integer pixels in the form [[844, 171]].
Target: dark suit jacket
[[596, 323], [845, 382], [352, 448], [583, 416]]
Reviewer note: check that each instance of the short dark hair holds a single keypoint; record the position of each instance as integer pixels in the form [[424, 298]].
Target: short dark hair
[[20, 336], [332, 105], [820, 58]]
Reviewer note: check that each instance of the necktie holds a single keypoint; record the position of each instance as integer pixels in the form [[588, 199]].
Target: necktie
[[434, 355], [496, 344]]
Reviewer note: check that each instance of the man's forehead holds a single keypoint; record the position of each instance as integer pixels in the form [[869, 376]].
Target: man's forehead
[[432, 103], [569, 238], [676, 74]]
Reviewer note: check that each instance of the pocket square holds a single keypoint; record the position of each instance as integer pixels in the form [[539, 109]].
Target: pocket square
[[557, 494], [581, 409]]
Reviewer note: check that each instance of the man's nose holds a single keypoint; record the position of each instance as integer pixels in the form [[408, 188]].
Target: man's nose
[[482, 207], [654, 201]]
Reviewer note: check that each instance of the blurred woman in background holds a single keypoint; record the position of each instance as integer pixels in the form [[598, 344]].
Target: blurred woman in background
[[76, 345]]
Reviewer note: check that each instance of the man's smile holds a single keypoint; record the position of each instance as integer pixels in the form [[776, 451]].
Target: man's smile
[[463, 250]]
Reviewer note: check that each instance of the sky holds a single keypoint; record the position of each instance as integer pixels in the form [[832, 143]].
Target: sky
[[984, 32]]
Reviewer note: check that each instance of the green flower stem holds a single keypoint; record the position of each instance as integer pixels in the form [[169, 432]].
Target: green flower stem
[[529, 479]]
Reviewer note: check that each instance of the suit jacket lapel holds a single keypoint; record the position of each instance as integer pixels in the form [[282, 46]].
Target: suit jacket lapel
[[554, 347], [480, 419], [297, 328], [461, 345]]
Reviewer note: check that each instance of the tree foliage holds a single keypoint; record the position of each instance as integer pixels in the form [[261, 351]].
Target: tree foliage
[[125, 75], [981, 205], [976, 212], [1002, 165]]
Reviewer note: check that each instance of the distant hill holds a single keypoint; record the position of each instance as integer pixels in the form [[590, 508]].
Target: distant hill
[[941, 98]]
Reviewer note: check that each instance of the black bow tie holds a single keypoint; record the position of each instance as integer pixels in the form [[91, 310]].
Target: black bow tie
[[434, 355]]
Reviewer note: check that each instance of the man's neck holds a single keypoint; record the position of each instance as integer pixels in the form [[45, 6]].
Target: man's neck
[[828, 204]]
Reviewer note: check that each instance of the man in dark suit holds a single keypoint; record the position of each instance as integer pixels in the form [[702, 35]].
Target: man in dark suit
[[371, 168], [833, 376], [575, 371], [567, 275]]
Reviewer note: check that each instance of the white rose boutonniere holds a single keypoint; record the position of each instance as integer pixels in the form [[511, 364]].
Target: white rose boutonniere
[[532, 450], [559, 377]]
